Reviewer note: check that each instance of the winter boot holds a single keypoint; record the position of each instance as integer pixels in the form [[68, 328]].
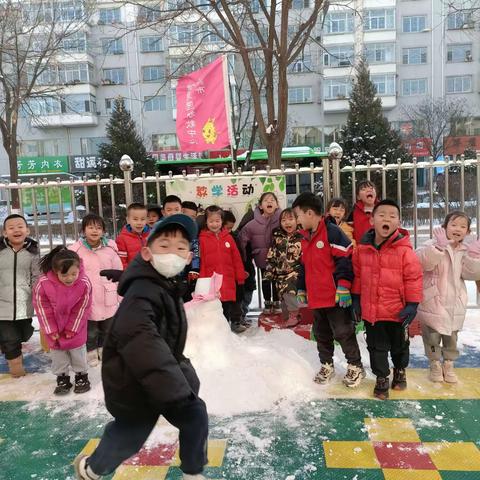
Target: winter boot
[[238, 327], [82, 384], [399, 381], [63, 385], [92, 358], [381, 388], [277, 308], [198, 476], [436, 372], [325, 373], [82, 470], [293, 319], [16, 367], [267, 309], [354, 376], [448, 372]]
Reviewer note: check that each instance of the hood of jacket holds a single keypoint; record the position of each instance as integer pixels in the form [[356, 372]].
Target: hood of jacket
[[399, 238], [30, 244], [258, 216]]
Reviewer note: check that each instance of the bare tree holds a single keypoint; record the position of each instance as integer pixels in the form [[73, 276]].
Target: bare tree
[[436, 119], [270, 33], [31, 38]]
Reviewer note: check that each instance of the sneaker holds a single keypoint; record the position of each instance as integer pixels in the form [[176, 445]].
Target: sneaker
[[82, 384], [92, 358], [448, 372], [246, 322], [399, 381], [63, 385], [325, 373], [293, 319], [277, 308], [354, 376], [436, 372], [267, 309], [82, 470], [238, 328], [381, 388]]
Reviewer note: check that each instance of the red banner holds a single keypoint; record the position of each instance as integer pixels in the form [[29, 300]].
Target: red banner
[[418, 147], [203, 108]]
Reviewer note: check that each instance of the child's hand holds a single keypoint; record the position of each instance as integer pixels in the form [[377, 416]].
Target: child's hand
[[193, 276], [54, 336], [473, 249], [246, 274], [356, 308], [69, 334], [440, 236], [302, 297], [408, 314], [343, 297]]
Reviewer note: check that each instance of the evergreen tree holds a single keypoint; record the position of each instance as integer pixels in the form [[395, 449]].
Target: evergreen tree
[[368, 135]]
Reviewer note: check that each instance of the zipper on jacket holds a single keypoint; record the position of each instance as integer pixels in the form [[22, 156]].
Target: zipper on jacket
[[14, 285]]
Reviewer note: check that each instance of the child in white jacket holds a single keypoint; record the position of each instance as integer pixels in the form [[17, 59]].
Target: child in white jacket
[[448, 260]]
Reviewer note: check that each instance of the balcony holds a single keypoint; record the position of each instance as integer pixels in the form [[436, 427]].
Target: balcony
[[65, 120]]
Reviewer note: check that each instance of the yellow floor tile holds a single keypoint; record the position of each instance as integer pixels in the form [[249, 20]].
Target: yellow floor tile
[[131, 472], [454, 456], [391, 430], [350, 455], [216, 452], [400, 474]]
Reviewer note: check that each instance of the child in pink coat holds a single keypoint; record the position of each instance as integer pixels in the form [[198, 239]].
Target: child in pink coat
[[97, 253], [62, 299]]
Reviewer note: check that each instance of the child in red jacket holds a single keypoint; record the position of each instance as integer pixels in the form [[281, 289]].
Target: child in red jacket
[[134, 234], [386, 292], [361, 216], [220, 254]]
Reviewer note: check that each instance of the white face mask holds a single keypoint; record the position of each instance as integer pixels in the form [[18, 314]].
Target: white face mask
[[168, 264]]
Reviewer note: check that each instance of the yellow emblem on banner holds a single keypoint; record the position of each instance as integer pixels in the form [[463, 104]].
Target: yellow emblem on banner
[[209, 131]]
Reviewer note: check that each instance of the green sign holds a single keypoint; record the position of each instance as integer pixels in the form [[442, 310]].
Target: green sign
[[35, 165], [41, 199]]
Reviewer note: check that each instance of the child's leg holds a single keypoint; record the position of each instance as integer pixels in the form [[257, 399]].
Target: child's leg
[[449, 347], [275, 297], [343, 329], [78, 359], [323, 335], [246, 301], [378, 345], [226, 307], [266, 289], [92, 335], [192, 421], [121, 439], [11, 338], [60, 362], [290, 301], [103, 328], [399, 345], [431, 342]]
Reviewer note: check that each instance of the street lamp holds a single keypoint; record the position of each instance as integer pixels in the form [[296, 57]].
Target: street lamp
[[126, 166], [335, 153]]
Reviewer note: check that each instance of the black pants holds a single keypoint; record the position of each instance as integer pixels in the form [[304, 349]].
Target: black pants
[[232, 312], [12, 334], [96, 333], [384, 337], [335, 324], [269, 289], [123, 438]]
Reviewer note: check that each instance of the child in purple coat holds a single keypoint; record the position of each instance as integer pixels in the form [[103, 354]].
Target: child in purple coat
[[62, 299]]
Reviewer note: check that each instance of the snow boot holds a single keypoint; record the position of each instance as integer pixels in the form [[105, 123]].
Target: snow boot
[[381, 388], [16, 367], [399, 381], [82, 470], [325, 373], [448, 372], [436, 372], [92, 358], [82, 384], [267, 309], [354, 376], [277, 308], [63, 385], [293, 319], [238, 327]]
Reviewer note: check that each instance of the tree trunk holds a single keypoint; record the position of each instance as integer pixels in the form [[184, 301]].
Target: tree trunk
[[274, 150], [12, 160]]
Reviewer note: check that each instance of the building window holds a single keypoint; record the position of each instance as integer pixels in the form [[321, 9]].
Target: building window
[[164, 141], [110, 104], [69, 10], [459, 53], [298, 4], [380, 52], [414, 56], [152, 104], [339, 22], [339, 56], [381, 19], [258, 66], [414, 86], [72, 73], [45, 106], [301, 65], [109, 15], [309, 136], [75, 43], [182, 34], [153, 73], [337, 88], [151, 43], [113, 76], [299, 95], [112, 46], [384, 84], [78, 104], [460, 19], [460, 84], [179, 66], [148, 14], [414, 24], [210, 35]]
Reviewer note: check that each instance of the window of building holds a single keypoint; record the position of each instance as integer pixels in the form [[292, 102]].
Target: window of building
[[384, 84], [75, 43], [215, 35], [380, 52], [339, 56], [45, 106], [112, 46], [174, 98], [113, 76], [91, 145], [152, 104], [182, 34], [68, 10], [110, 104], [414, 24], [459, 53], [78, 104], [414, 56], [379, 19], [309, 136], [414, 86], [299, 95], [258, 66], [337, 88], [298, 4], [109, 15], [69, 73], [180, 66], [301, 65], [339, 22], [151, 43], [49, 76], [148, 14], [153, 73], [164, 141], [460, 19], [459, 84]]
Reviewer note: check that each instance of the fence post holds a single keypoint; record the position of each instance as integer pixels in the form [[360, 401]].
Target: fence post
[[126, 166], [335, 154]]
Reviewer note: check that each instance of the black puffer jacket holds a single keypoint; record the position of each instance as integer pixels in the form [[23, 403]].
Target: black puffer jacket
[[143, 369]]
